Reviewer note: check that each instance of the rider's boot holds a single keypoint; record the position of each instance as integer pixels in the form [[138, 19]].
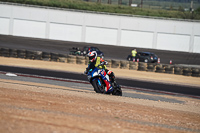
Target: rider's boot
[[112, 78], [113, 81]]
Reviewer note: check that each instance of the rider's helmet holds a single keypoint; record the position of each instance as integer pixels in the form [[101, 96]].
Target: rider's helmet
[[92, 56]]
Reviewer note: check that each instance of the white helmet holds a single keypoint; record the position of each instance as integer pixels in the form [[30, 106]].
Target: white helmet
[[92, 56]]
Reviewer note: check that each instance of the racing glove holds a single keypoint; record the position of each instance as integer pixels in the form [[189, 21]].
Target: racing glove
[[103, 63], [86, 71]]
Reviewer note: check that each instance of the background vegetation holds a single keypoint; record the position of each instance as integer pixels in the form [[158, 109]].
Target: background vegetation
[[155, 9], [158, 4]]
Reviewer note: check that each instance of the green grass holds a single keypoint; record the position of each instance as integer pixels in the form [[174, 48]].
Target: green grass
[[113, 8]]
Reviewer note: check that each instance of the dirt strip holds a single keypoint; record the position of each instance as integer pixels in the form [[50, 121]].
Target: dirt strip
[[28, 107]]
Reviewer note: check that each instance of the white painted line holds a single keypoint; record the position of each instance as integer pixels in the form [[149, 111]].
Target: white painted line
[[11, 74]]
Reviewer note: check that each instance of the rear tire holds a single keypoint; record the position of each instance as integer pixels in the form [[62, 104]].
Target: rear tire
[[117, 91]]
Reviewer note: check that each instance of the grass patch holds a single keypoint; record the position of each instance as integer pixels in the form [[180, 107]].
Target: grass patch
[[99, 7]]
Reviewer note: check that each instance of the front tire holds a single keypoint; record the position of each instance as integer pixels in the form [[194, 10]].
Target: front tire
[[129, 58], [146, 60], [97, 87]]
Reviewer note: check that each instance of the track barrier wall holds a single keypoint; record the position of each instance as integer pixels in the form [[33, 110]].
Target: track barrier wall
[[99, 28], [82, 60]]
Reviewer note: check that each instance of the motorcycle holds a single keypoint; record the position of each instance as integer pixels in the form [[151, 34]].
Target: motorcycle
[[101, 82]]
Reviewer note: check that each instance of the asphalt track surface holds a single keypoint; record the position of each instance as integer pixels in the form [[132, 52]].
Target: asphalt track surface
[[171, 89], [110, 51]]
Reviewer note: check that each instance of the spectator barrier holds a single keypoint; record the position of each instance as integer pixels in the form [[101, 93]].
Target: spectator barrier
[[178, 70], [5, 52], [46, 56], [169, 68], [151, 67], [142, 66], [38, 55], [124, 64], [115, 63], [30, 55], [82, 60], [71, 59], [133, 65], [187, 71], [13, 53], [160, 68], [21, 53], [195, 72]]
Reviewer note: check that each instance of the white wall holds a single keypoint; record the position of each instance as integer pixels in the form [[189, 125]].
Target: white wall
[[100, 28], [196, 44], [29, 28], [174, 42], [137, 38], [65, 32], [101, 35], [4, 26]]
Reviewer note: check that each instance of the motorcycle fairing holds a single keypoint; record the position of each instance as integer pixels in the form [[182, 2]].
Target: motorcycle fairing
[[105, 78]]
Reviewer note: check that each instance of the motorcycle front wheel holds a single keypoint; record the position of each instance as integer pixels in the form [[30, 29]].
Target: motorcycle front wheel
[[97, 87]]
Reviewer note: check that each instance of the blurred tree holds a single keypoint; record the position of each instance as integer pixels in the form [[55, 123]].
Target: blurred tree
[[171, 7], [197, 11], [119, 2], [130, 2], [181, 9], [141, 3]]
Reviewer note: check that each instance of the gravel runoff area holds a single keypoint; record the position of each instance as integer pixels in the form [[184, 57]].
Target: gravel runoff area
[[35, 107]]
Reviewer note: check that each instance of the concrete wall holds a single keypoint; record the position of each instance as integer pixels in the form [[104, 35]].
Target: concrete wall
[[100, 28]]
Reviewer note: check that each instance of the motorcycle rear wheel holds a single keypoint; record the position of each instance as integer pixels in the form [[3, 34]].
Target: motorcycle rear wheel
[[117, 91]]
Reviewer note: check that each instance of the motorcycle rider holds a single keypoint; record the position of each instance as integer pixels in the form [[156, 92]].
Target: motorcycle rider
[[95, 61]]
